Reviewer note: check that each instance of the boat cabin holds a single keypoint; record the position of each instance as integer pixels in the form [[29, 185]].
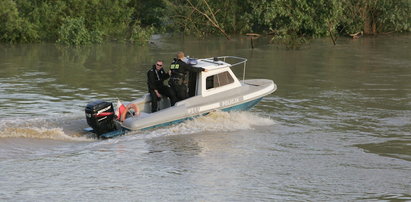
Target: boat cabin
[[218, 78]]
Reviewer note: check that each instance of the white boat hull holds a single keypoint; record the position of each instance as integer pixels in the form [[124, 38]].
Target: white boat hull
[[241, 98]]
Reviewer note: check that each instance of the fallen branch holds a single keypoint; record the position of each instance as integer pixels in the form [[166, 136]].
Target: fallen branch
[[212, 19], [332, 35], [356, 35]]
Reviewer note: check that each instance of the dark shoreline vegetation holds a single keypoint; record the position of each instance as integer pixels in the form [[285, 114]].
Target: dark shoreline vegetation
[[81, 22]]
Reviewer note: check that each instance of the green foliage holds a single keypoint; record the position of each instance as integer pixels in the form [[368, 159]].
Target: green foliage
[[74, 22], [374, 17], [73, 31], [111, 18], [301, 17], [150, 13], [80, 22], [46, 16], [182, 19], [288, 19], [205, 17], [13, 28], [140, 35]]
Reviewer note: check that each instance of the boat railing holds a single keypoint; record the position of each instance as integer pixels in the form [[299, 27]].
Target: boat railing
[[216, 60]]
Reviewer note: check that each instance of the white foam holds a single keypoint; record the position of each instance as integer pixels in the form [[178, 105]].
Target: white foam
[[40, 128], [38, 133], [52, 127], [216, 121]]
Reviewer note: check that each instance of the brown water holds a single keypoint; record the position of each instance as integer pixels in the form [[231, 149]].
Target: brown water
[[337, 128]]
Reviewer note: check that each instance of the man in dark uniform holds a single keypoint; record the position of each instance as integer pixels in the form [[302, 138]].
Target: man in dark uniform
[[179, 73], [155, 81]]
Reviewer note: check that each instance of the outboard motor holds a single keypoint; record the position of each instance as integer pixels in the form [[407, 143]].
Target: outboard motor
[[100, 116]]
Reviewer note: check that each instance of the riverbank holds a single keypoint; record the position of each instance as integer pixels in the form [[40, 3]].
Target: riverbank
[[134, 21]]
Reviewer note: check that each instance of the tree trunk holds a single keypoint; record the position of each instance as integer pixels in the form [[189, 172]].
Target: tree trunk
[[367, 24], [374, 27]]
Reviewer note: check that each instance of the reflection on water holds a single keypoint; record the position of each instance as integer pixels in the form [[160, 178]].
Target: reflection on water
[[395, 148], [389, 197], [338, 127]]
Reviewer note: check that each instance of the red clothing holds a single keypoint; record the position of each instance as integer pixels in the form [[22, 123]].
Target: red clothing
[[121, 110]]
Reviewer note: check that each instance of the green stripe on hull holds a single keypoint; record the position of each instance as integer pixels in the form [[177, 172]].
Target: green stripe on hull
[[241, 107]]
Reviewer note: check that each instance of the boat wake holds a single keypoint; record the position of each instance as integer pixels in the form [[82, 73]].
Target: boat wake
[[38, 133], [70, 128], [218, 121], [61, 128]]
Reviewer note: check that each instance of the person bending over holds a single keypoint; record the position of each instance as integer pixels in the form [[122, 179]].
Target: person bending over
[[179, 73]]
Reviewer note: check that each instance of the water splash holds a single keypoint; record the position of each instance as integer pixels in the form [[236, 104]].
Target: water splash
[[38, 133], [69, 128], [53, 128], [216, 121]]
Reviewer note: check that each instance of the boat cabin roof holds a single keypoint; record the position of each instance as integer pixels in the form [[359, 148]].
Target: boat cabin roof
[[210, 64], [218, 62]]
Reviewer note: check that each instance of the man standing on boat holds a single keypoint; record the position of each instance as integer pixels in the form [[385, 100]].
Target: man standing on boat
[[179, 73], [155, 81]]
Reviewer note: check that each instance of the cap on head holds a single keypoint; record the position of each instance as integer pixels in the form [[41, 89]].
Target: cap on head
[[180, 54]]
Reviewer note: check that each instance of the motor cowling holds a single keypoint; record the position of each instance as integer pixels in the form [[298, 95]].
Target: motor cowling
[[100, 116]]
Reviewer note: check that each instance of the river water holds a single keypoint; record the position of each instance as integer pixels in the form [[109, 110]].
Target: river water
[[337, 129]]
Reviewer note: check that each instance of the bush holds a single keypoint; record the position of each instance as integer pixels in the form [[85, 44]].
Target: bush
[[139, 35], [74, 32], [13, 28]]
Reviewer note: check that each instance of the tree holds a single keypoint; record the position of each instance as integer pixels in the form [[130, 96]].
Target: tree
[[13, 28]]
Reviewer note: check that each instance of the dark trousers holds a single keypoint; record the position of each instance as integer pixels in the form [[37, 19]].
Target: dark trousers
[[164, 91], [180, 90]]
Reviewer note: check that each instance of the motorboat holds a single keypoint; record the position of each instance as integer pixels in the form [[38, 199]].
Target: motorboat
[[218, 88]]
